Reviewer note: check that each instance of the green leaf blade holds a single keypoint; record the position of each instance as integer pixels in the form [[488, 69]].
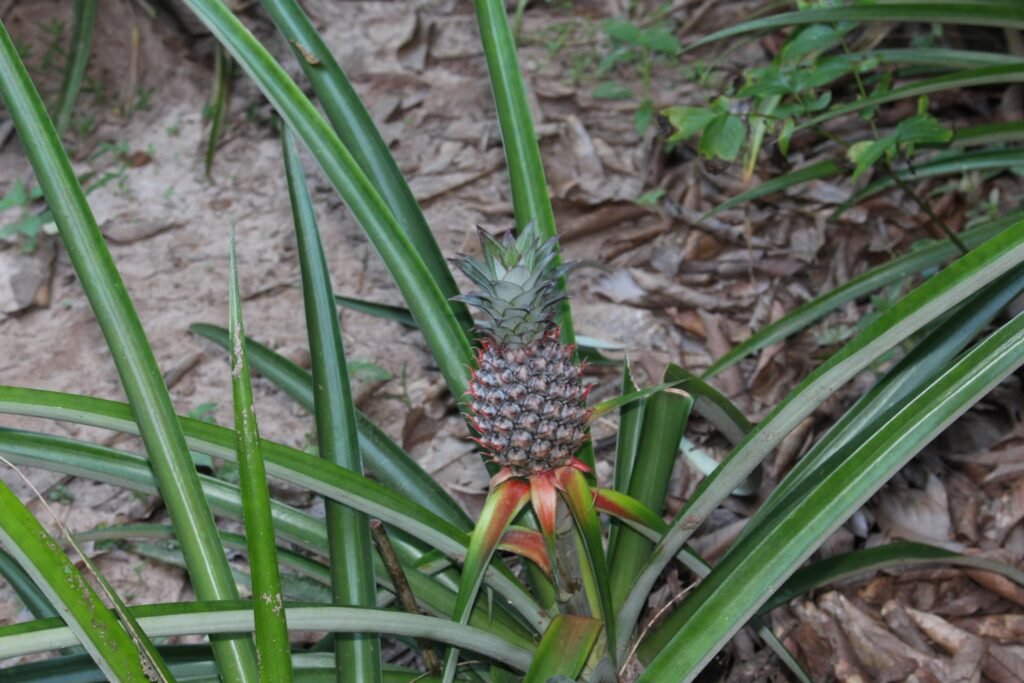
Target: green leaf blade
[[391, 465], [356, 129], [272, 646], [432, 311], [137, 368], [93, 625], [351, 550], [564, 649], [926, 303], [735, 589]]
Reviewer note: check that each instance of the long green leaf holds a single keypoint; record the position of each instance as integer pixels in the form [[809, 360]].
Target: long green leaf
[[948, 164], [590, 348], [191, 663], [432, 311], [90, 622], [301, 565], [34, 600], [358, 133], [580, 498], [168, 455], [816, 171], [78, 60], [271, 630], [922, 365], [735, 589], [894, 270], [891, 556], [988, 134], [968, 78], [530, 196], [437, 599], [177, 619], [923, 305], [300, 468], [665, 418], [1008, 14], [631, 416], [564, 649], [938, 56], [714, 406], [397, 314], [352, 581], [649, 524], [391, 465], [218, 104]]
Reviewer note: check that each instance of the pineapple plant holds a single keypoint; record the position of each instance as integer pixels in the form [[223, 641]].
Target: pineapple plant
[[527, 400]]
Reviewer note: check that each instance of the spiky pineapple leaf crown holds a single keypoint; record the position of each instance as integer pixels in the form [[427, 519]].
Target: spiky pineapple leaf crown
[[518, 285]]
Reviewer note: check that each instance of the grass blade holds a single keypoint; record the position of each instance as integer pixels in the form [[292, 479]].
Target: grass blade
[[922, 306], [358, 133], [78, 60], [428, 304], [91, 624], [352, 580], [272, 647], [735, 589], [140, 376]]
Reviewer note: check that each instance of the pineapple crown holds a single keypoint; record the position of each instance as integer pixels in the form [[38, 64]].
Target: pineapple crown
[[518, 285]]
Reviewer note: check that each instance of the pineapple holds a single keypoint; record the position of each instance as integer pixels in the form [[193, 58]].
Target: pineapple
[[527, 400]]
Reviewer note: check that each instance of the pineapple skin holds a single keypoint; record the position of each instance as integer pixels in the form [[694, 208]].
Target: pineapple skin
[[527, 399], [529, 404]]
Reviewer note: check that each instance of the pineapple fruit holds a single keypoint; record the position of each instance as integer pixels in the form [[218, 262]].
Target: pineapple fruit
[[528, 404]]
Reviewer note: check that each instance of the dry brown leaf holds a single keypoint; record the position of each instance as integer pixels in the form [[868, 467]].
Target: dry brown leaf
[[886, 657], [1006, 628], [917, 515]]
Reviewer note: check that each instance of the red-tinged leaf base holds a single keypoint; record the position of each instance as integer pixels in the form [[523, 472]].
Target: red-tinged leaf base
[[529, 544], [628, 509], [506, 500]]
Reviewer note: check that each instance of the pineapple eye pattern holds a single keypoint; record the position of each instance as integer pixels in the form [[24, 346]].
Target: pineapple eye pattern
[[526, 395]]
